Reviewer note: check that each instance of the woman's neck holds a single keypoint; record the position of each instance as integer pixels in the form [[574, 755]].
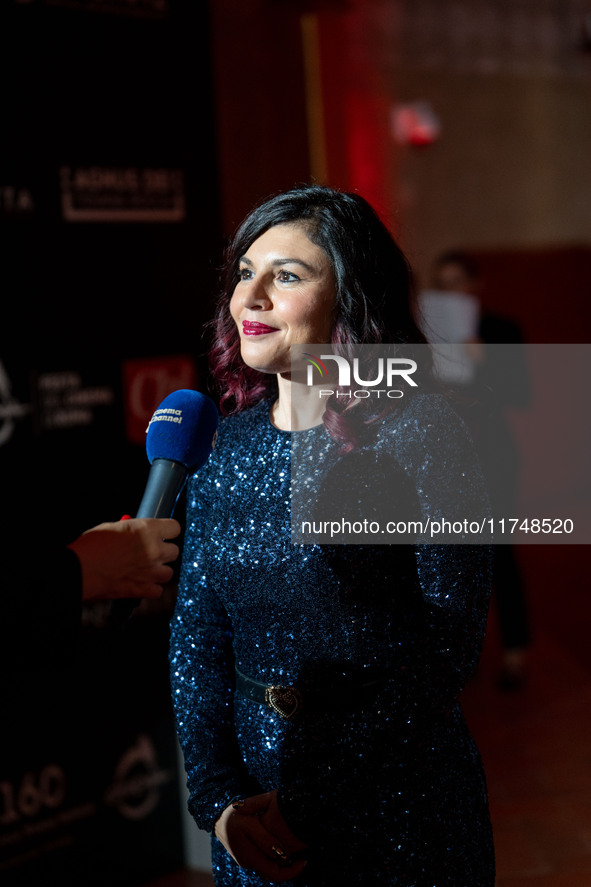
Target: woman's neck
[[298, 406]]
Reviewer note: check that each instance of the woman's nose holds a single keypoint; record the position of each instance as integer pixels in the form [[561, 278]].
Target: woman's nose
[[256, 295]]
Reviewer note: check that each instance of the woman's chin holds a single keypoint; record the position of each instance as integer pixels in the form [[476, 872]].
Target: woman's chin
[[265, 364]]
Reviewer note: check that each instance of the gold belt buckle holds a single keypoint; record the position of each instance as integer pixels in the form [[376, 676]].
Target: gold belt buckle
[[285, 701]]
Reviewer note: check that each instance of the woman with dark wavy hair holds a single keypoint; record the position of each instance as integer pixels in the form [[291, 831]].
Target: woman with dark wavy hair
[[372, 282], [316, 685]]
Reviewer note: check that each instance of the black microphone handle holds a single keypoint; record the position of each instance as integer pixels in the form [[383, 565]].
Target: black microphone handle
[[163, 488], [165, 483]]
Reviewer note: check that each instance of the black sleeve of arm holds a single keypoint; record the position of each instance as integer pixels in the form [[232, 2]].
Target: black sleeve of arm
[[41, 608]]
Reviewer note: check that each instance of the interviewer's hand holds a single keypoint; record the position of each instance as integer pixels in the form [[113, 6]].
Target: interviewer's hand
[[127, 559], [257, 837]]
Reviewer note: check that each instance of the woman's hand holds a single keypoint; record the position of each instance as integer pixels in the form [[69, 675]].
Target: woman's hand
[[257, 837]]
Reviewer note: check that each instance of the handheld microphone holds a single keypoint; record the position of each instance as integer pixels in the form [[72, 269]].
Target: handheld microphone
[[179, 439]]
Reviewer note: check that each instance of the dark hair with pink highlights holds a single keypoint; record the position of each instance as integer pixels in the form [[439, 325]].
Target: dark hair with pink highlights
[[374, 290]]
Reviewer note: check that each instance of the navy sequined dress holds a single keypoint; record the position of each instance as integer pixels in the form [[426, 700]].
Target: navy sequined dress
[[387, 790]]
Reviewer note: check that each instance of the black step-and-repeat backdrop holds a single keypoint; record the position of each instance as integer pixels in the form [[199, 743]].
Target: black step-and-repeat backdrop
[[109, 239]]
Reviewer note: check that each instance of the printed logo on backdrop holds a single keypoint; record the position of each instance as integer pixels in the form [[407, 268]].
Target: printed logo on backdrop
[[16, 202], [11, 411], [63, 401], [138, 781], [146, 383], [122, 194], [39, 816], [150, 9]]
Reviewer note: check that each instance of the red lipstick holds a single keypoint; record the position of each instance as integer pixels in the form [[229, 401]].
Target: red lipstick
[[253, 328]]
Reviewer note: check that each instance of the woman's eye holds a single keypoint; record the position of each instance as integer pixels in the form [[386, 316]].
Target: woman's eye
[[287, 276], [244, 274]]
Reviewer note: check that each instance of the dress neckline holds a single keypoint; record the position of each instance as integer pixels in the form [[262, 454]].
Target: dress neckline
[[267, 406]]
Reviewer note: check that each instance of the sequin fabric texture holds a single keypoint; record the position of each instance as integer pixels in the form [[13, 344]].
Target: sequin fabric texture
[[388, 789]]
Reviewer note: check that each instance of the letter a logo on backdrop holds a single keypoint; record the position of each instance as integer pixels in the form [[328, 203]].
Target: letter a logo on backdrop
[[10, 409]]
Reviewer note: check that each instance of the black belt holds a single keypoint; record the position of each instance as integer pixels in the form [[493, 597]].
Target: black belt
[[290, 701]]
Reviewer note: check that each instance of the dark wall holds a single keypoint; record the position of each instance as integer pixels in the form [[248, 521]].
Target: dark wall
[[108, 220], [262, 98], [546, 291], [109, 236]]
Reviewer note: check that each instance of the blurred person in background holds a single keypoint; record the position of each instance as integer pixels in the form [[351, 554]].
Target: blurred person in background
[[451, 312]]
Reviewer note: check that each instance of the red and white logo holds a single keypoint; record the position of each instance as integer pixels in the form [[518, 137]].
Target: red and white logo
[[146, 383]]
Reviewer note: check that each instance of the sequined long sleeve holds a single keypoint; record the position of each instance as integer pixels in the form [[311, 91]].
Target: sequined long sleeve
[[202, 680]]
